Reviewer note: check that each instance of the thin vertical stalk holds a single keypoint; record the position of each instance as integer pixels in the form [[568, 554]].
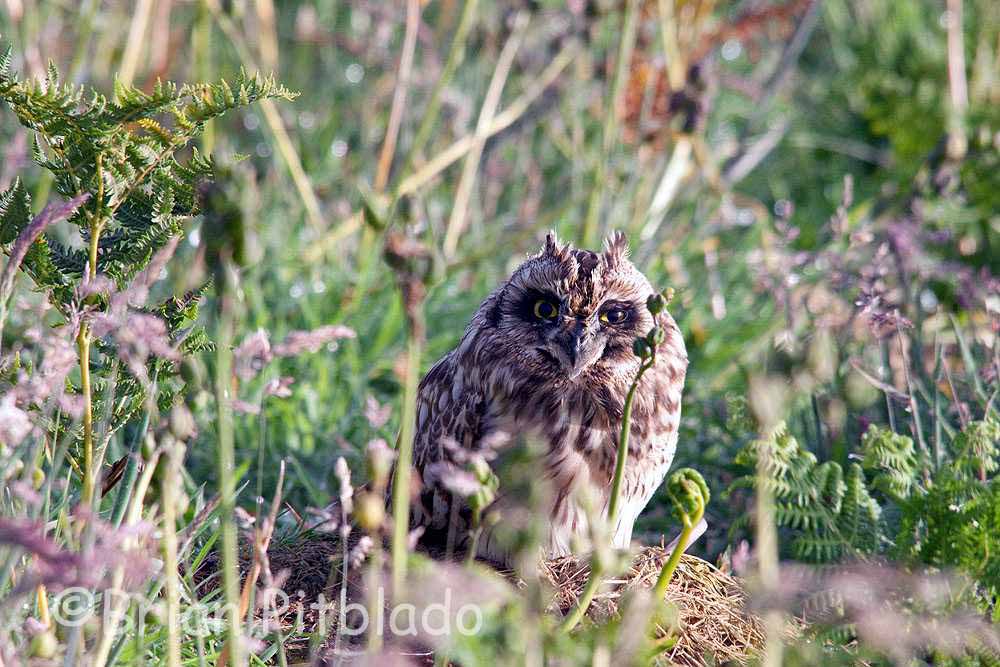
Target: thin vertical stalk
[[673, 175], [668, 32], [202, 42], [135, 42], [131, 470], [272, 117], [404, 462], [911, 394], [767, 550], [680, 158], [958, 86], [456, 55], [610, 135], [623, 437], [83, 353], [267, 34], [374, 584], [83, 340], [885, 374], [667, 573], [445, 158], [226, 463], [399, 96], [169, 486], [463, 193], [119, 604], [594, 579]]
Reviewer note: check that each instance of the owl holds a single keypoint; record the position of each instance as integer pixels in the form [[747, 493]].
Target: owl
[[549, 357]]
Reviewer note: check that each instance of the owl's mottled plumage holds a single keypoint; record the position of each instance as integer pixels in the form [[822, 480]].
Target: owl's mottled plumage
[[557, 372]]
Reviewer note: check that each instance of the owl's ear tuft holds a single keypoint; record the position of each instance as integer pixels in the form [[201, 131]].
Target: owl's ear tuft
[[615, 248], [553, 248]]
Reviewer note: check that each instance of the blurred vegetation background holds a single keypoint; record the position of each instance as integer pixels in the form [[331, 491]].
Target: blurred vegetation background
[[794, 170]]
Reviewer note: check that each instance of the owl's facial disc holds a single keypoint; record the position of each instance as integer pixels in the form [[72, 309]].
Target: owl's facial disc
[[574, 343], [569, 342]]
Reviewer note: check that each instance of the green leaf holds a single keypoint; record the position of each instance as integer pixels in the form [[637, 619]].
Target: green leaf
[[5, 63], [15, 211]]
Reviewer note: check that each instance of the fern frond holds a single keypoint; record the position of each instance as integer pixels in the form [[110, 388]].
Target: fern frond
[[131, 104], [858, 521], [5, 65], [15, 211], [828, 515], [976, 447], [209, 101], [893, 458]]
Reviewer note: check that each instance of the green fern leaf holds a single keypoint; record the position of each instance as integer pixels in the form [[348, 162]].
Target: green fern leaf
[[15, 211]]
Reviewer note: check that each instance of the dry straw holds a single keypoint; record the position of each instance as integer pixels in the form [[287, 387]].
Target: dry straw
[[713, 623], [713, 626]]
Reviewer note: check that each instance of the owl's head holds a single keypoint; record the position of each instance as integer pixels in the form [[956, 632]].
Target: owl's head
[[567, 311]]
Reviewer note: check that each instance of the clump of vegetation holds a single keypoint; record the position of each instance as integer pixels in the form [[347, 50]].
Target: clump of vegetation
[[116, 162], [199, 355]]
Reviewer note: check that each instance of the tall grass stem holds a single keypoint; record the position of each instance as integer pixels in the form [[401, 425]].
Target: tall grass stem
[[610, 131], [404, 461]]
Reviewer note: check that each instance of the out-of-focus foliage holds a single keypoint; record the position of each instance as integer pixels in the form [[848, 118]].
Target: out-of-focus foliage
[[815, 180]]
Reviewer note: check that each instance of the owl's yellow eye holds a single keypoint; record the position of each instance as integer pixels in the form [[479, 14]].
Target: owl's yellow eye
[[545, 310], [614, 316]]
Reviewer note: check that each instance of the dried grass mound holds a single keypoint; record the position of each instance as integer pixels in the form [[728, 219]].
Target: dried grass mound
[[713, 622], [714, 627]]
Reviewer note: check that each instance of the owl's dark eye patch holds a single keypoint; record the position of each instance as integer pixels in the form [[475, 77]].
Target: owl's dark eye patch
[[617, 313], [539, 307]]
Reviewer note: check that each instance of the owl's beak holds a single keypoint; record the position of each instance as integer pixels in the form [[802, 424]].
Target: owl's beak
[[573, 343]]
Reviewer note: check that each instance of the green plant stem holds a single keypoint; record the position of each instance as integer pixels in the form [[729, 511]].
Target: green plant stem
[[456, 55], [374, 582], [272, 117], [119, 603], [622, 455], [504, 119], [463, 192], [399, 96], [596, 573], [171, 481], [131, 473], [667, 573], [404, 461], [767, 563], [477, 530], [83, 353], [586, 597], [225, 462], [83, 347], [610, 134]]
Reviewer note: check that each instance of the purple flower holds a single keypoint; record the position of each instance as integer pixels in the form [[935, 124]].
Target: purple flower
[[137, 338], [297, 342], [15, 425], [49, 379], [279, 387], [99, 284], [377, 415], [245, 408], [250, 356]]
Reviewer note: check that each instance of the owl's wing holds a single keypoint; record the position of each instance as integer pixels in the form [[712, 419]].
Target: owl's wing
[[450, 418]]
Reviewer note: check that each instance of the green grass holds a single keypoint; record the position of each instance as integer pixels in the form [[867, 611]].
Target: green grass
[[760, 263]]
